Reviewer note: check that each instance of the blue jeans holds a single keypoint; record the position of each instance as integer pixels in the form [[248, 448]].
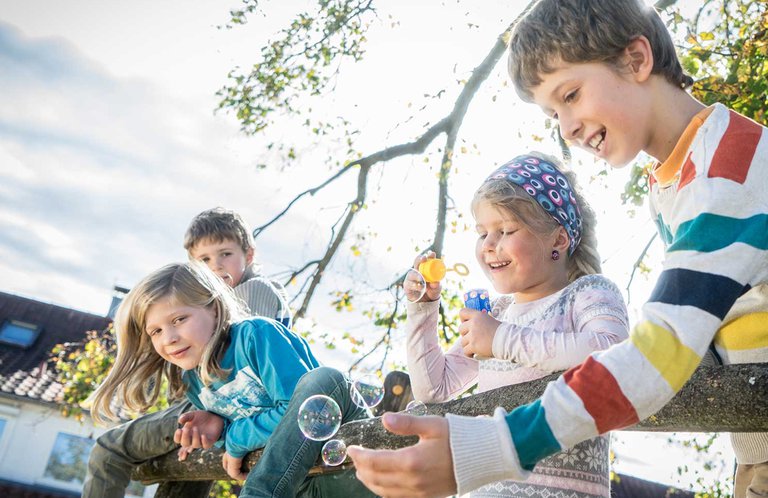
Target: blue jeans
[[119, 450], [286, 460]]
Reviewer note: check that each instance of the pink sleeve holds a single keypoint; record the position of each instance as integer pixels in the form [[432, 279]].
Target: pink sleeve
[[436, 376], [595, 320]]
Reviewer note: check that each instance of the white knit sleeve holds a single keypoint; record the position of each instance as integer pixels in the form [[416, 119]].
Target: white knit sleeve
[[593, 318], [483, 451]]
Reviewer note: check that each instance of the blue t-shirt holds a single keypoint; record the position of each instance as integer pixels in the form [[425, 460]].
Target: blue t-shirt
[[266, 361]]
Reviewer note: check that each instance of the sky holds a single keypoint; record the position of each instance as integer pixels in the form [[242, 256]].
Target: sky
[[109, 145]]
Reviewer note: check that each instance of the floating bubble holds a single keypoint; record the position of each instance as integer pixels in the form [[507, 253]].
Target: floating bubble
[[319, 417], [334, 452], [416, 407], [367, 391], [414, 285]]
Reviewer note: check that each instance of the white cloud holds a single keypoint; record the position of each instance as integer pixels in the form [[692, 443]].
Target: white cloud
[[101, 175]]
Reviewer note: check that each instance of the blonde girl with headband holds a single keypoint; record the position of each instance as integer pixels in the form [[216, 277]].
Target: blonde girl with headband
[[182, 324], [536, 244]]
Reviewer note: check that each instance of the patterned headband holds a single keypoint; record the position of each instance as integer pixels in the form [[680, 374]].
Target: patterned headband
[[549, 187]]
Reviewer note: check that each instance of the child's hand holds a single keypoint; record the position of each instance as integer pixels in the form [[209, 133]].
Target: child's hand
[[234, 467], [425, 469], [433, 288], [477, 332], [184, 452], [199, 429]]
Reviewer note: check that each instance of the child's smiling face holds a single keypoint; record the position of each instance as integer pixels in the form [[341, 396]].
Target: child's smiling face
[[180, 333], [600, 108], [225, 258], [514, 259]]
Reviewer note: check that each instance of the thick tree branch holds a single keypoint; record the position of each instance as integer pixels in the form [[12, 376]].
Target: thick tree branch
[[730, 398]]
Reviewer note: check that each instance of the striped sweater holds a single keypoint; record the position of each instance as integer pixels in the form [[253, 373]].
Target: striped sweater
[[263, 297], [711, 205]]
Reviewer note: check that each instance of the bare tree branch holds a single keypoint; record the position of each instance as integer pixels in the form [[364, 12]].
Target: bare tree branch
[[302, 269], [637, 262], [450, 125], [312, 191]]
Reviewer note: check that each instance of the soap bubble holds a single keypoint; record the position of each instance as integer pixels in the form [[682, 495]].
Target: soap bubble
[[367, 391], [414, 285], [416, 407], [319, 417], [334, 452]]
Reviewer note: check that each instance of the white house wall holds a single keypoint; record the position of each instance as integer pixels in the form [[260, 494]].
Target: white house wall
[[28, 438]]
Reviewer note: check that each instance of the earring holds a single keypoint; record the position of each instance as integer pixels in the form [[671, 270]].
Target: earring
[[555, 255]]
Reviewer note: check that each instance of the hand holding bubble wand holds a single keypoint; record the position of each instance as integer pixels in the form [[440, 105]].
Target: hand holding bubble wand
[[425, 276], [477, 299], [422, 283]]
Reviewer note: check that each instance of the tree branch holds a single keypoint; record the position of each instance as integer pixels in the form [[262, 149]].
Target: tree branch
[[713, 400], [637, 262], [354, 207], [312, 191]]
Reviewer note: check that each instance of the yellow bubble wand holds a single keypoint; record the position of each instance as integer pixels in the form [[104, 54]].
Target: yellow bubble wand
[[434, 269], [429, 271]]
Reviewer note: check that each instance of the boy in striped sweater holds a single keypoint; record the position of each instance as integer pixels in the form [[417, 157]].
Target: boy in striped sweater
[[618, 89]]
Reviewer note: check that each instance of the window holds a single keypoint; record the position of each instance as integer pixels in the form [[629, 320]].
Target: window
[[7, 420], [69, 460], [18, 333]]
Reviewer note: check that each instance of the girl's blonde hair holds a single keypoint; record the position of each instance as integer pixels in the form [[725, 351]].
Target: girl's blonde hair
[[514, 200], [137, 376]]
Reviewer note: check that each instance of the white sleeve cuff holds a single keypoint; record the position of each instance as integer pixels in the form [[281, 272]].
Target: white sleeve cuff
[[483, 451]]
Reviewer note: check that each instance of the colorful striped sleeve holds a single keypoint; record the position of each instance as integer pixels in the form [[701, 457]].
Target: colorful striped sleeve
[[716, 216]]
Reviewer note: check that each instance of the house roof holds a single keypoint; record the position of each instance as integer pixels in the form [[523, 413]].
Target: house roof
[[24, 371]]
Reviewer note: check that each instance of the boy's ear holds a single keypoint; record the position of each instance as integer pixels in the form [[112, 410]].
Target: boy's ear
[[639, 58], [249, 256]]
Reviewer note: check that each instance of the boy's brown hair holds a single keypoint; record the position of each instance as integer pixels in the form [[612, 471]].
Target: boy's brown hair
[[218, 224], [579, 31]]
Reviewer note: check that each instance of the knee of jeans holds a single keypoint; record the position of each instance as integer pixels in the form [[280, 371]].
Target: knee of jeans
[[324, 379], [101, 453], [106, 442]]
